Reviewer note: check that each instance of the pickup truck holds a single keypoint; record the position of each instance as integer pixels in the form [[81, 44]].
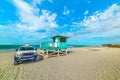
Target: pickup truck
[[24, 53]]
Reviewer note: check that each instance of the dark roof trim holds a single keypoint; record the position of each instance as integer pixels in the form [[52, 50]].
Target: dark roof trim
[[60, 36]]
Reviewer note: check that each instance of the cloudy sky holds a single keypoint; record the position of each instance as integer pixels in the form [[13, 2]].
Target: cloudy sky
[[88, 22]]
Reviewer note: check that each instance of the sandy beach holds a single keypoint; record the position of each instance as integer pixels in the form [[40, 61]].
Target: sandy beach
[[88, 63]]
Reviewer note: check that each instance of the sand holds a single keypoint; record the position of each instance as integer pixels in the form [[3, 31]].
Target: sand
[[89, 63]]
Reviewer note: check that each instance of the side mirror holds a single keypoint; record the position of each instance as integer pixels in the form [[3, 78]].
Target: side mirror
[[16, 50]]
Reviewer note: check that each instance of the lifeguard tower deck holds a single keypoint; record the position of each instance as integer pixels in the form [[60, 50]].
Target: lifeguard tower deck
[[59, 44]]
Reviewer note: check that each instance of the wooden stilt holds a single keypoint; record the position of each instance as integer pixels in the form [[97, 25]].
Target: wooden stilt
[[66, 52], [47, 54], [58, 53], [54, 51]]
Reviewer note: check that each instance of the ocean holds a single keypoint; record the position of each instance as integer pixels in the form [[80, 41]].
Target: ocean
[[14, 47]]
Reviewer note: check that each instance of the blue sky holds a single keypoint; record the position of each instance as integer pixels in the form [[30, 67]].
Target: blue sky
[[88, 22]]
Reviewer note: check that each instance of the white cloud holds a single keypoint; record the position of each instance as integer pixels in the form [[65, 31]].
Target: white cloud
[[86, 12], [100, 24], [51, 1], [66, 11], [29, 16], [1, 26], [35, 2], [31, 21]]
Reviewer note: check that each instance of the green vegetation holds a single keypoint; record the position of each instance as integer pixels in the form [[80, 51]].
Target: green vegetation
[[112, 45]]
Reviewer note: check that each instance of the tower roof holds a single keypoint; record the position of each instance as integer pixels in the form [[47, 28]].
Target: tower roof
[[58, 35]]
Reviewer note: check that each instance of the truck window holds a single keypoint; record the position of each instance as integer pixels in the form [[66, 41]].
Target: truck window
[[26, 48]]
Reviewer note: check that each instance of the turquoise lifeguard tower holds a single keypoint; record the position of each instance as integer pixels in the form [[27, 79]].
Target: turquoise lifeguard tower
[[59, 43]]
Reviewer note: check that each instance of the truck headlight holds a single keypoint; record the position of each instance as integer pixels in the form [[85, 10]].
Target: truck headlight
[[18, 55]]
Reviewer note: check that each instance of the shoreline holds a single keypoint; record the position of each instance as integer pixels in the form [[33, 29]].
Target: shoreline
[[68, 48], [13, 47]]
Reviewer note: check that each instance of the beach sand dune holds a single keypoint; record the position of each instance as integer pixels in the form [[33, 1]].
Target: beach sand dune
[[90, 63]]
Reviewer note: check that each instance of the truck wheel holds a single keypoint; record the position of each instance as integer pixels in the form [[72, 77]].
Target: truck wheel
[[35, 59], [15, 62]]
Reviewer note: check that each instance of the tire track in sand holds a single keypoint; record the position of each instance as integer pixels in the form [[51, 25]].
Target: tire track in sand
[[18, 73]]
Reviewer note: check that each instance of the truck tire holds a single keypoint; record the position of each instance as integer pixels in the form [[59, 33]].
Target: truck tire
[[15, 62], [35, 59]]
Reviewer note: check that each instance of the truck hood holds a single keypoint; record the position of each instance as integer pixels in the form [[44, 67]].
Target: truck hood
[[30, 51]]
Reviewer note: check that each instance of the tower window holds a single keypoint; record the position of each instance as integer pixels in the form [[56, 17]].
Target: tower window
[[62, 40]]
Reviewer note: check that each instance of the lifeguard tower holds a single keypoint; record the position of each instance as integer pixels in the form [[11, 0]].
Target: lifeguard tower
[[59, 44]]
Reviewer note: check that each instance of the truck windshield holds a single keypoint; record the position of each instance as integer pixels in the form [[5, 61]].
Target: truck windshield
[[26, 48]]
